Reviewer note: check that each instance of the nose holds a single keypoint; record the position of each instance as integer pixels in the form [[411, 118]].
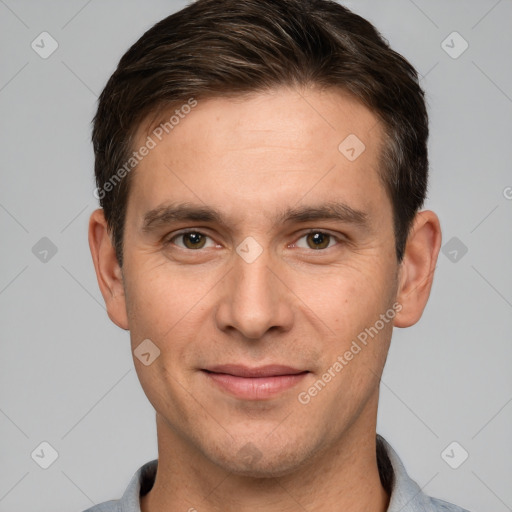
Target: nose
[[255, 299]]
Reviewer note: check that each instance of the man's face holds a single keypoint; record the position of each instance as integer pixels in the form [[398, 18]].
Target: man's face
[[260, 286]]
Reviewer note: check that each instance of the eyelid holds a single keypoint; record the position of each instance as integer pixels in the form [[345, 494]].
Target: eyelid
[[168, 239], [339, 238]]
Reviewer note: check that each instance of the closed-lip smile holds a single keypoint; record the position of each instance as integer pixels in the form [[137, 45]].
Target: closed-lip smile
[[256, 383]]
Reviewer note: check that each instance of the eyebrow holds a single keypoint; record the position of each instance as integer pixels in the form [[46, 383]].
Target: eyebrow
[[328, 211], [176, 212]]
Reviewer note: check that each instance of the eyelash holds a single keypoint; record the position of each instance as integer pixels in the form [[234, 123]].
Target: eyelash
[[338, 240]]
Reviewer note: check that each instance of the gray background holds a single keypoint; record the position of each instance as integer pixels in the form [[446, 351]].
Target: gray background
[[66, 373]]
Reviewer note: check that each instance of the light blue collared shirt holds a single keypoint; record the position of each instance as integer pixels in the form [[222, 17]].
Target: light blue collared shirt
[[405, 494]]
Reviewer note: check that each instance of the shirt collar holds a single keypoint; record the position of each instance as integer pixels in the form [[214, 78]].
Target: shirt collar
[[405, 493]]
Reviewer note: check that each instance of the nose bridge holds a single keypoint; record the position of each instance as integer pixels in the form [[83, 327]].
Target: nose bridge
[[254, 300]]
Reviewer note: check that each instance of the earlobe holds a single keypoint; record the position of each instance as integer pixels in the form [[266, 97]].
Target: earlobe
[[108, 271], [417, 268]]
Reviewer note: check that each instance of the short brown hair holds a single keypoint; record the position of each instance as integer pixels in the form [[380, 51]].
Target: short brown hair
[[215, 48]]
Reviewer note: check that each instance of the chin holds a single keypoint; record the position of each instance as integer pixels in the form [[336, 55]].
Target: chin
[[262, 469], [260, 459]]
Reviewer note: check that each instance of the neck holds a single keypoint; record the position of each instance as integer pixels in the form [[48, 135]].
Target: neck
[[341, 476]]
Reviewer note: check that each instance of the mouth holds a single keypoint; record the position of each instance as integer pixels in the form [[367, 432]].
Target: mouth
[[254, 383]]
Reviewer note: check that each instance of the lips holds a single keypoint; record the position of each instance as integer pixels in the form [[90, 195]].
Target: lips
[[270, 370], [254, 383]]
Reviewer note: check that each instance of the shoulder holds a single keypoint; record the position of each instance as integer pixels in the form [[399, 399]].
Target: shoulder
[[438, 505], [141, 483], [107, 506], [405, 494]]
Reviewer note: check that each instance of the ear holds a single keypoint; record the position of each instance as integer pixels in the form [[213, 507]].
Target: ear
[[417, 267], [108, 271]]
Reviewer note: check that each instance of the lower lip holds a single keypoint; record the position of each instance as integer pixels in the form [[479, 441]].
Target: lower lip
[[255, 388]]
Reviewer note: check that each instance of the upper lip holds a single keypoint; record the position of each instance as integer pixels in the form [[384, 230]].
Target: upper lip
[[270, 370]]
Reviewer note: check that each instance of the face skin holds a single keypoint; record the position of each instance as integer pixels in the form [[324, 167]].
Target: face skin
[[254, 159]]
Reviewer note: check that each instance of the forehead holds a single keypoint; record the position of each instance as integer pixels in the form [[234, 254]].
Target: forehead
[[289, 114], [264, 147]]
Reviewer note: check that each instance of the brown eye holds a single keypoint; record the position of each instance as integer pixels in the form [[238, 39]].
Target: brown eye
[[194, 240], [318, 240], [191, 240]]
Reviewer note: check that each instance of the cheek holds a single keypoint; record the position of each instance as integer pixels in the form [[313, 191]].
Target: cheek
[[154, 301], [171, 308], [347, 299]]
